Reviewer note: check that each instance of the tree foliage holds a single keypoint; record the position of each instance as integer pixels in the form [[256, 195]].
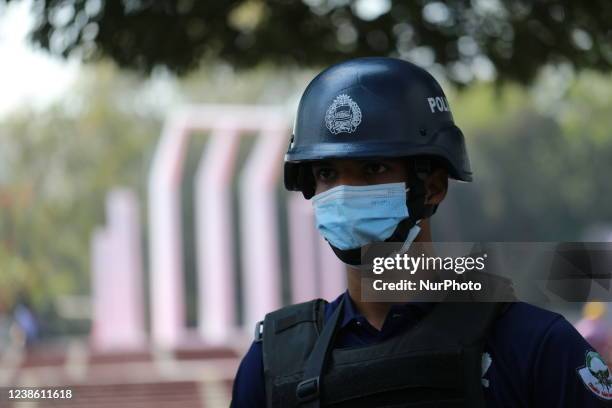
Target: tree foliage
[[541, 169], [57, 167], [468, 38]]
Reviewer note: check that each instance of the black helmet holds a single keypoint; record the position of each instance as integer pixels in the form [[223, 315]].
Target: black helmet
[[373, 107]]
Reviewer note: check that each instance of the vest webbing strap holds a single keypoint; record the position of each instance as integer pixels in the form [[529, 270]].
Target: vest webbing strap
[[308, 391]]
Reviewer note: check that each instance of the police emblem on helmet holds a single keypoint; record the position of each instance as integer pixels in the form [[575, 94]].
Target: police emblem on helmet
[[343, 115]]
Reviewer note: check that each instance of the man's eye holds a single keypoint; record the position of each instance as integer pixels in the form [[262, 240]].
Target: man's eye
[[325, 174], [375, 168]]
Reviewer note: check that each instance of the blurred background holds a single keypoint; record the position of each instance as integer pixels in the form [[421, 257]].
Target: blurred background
[[108, 110]]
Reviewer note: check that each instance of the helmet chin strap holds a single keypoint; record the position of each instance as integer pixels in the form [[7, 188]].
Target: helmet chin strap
[[406, 231]]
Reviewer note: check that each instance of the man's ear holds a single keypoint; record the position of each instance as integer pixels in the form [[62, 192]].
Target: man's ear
[[436, 186]]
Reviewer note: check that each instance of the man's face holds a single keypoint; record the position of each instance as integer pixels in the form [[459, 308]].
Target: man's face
[[351, 172], [334, 172]]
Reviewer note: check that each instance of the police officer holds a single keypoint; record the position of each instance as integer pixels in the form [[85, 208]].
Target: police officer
[[381, 127]]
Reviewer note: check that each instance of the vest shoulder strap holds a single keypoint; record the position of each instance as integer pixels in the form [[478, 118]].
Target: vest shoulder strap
[[288, 336]]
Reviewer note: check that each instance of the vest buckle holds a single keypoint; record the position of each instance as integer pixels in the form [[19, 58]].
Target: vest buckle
[[259, 327], [307, 390]]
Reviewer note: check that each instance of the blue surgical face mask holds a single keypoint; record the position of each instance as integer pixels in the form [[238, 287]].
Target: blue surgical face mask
[[350, 217]]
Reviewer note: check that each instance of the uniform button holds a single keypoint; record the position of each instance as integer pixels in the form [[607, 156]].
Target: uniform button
[[358, 323]]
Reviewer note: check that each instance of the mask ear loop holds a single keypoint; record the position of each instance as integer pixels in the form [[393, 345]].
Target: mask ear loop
[[414, 232]]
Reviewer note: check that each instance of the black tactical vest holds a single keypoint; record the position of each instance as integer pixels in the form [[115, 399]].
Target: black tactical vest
[[436, 363]]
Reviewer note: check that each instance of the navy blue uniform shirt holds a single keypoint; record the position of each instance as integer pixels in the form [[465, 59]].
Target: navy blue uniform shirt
[[533, 357]]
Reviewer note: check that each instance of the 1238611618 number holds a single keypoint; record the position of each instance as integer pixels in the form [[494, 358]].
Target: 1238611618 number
[[38, 394]]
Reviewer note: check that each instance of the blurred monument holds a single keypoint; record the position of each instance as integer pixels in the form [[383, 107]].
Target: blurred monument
[[116, 248], [118, 303]]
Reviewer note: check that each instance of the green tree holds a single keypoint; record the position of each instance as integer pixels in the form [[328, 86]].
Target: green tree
[[513, 38], [58, 166], [541, 168]]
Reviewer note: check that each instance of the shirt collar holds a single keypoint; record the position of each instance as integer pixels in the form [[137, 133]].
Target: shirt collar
[[350, 312]]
